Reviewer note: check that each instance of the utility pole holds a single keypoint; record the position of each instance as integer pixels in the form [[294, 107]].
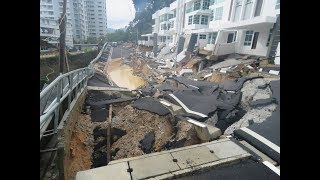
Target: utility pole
[[137, 40], [62, 38]]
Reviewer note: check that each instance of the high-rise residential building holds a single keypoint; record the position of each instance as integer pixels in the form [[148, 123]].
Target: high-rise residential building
[[80, 22], [96, 18], [85, 18], [50, 12]]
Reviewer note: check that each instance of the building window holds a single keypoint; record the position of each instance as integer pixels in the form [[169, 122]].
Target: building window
[[218, 13], [237, 11], [197, 5], [202, 36], [205, 4], [204, 20], [247, 9], [248, 38], [190, 20], [196, 19], [212, 37], [277, 4], [212, 2]]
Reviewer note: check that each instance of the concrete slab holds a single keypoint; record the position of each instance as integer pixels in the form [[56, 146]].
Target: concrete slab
[[152, 166], [226, 149], [194, 157], [115, 172]]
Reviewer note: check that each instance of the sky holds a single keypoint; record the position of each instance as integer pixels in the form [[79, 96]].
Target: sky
[[119, 13]]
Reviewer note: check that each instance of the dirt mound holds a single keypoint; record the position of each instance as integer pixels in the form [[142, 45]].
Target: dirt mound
[[220, 77], [140, 68], [138, 123]]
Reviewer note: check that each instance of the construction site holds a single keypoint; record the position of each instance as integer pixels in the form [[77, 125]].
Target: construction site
[[137, 107]]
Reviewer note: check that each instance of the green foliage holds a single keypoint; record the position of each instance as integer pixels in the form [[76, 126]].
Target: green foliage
[[118, 35], [91, 40]]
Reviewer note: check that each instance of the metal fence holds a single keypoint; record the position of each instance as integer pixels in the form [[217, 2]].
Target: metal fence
[[69, 86]]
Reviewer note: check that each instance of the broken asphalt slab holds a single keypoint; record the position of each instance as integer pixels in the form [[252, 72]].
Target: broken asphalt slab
[[151, 105], [147, 142], [275, 88], [98, 80], [236, 84], [97, 98], [264, 136]]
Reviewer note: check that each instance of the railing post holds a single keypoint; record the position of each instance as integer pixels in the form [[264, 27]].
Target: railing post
[[70, 88], [56, 112]]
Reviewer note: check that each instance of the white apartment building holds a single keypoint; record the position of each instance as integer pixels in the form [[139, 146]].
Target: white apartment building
[[96, 18], [80, 23], [50, 12], [85, 18], [223, 26]]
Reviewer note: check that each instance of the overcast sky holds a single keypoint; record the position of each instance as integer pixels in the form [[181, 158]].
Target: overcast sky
[[120, 13]]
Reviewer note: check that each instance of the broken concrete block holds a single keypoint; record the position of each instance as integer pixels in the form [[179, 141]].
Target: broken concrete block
[[208, 133], [205, 131]]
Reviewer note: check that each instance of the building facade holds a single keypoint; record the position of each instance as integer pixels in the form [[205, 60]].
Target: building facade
[[85, 18], [96, 18], [50, 12], [222, 26], [80, 22]]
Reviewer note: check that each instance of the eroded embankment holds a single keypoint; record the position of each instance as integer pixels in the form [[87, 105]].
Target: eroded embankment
[[134, 132]]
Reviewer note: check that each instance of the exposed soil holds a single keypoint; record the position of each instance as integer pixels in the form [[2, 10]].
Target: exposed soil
[[81, 145], [138, 123]]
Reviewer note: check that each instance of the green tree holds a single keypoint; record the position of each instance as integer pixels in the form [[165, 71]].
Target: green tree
[[91, 40]]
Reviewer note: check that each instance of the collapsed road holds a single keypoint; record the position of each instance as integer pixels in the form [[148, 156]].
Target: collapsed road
[[155, 115]]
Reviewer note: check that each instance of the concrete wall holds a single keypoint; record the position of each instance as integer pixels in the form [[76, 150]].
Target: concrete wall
[[65, 129], [261, 48]]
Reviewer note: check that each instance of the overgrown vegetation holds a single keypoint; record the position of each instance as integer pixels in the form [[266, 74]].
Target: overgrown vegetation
[[50, 66]]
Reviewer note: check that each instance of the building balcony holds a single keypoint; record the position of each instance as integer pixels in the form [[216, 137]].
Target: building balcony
[[163, 32], [196, 26], [51, 35], [199, 12], [145, 43], [221, 48], [250, 23]]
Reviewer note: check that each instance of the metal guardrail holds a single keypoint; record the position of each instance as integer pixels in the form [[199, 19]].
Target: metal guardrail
[[58, 90]]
